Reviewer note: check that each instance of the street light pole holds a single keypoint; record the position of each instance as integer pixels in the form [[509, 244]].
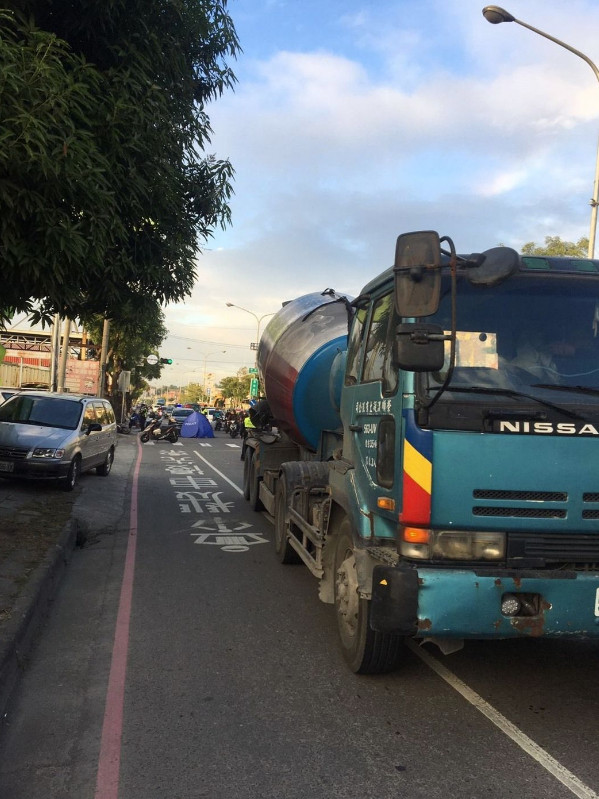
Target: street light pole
[[496, 15], [205, 359], [254, 384], [258, 322]]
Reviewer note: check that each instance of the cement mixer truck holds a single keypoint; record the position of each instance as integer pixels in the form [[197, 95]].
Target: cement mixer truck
[[430, 449]]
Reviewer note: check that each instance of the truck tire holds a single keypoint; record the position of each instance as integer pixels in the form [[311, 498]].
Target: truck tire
[[249, 454], [254, 486], [284, 551], [364, 650]]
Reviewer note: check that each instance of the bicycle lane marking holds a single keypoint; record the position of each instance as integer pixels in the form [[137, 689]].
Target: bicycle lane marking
[[543, 758], [109, 760]]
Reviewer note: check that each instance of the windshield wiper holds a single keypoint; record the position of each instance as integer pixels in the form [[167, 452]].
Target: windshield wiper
[[579, 389], [508, 392]]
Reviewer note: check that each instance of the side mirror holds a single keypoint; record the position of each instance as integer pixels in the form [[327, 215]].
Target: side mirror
[[417, 273], [419, 347], [495, 266], [94, 427]]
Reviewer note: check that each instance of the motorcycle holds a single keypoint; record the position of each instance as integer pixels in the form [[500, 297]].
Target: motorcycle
[[234, 428], [155, 432]]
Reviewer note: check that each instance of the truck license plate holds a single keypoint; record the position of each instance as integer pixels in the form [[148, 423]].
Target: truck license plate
[[6, 466]]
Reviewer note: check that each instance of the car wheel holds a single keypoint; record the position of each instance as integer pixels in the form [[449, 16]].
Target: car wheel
[[104, 468], [73, 474]]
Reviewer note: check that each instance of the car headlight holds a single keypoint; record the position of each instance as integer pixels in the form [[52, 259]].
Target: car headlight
[[424, 544], [47, 452]]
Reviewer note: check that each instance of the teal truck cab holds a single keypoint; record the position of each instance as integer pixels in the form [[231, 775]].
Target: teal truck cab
[[439, 475]]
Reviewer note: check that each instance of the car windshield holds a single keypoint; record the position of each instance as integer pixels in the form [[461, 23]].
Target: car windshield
[[45, 411], [183, 411]]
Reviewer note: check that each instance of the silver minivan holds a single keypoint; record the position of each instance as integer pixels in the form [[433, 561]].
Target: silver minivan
[[59, 436]]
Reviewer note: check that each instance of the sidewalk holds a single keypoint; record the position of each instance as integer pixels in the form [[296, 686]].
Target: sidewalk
[[40, 525]]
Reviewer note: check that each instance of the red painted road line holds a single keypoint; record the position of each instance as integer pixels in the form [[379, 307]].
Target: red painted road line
[[109, 761]]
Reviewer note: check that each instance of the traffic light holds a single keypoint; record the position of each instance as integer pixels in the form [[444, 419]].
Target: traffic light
[[166, 360]]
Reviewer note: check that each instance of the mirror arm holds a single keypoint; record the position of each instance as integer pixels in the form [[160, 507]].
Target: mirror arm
[[452, 338]]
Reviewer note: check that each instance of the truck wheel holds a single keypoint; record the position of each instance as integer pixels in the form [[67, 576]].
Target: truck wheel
[[254, 487], [249, 454], [283, 549], [365, 651]]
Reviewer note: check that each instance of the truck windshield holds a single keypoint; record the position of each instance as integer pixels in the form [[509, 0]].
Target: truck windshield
[[532, 337]]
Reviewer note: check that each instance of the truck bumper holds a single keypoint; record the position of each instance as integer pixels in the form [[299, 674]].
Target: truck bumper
[[468, 604]]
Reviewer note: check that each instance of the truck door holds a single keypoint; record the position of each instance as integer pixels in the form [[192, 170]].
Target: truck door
[[372, 435]]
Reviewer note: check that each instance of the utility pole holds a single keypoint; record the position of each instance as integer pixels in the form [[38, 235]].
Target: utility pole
[[64, 354], [104, 358]]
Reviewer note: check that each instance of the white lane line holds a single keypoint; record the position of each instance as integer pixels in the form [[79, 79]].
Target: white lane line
[[542, 757], [224, 476]]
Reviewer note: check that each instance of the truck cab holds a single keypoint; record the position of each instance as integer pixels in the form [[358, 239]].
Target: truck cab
[[452, 493]]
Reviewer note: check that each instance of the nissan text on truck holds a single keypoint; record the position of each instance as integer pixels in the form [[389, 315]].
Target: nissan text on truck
[[434, 458]]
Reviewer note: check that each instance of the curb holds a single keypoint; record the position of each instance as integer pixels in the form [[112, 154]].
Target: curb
[[30, 611]]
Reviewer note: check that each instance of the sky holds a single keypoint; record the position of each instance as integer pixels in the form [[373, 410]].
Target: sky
[[355, 121]]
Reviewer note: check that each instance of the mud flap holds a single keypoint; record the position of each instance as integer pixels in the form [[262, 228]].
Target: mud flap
[[394, 605]]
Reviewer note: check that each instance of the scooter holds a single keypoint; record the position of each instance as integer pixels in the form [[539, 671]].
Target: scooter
[[234, 428], [155, 432]]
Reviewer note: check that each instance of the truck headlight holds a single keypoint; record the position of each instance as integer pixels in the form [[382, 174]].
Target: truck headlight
[[462, 545], [47, 452]]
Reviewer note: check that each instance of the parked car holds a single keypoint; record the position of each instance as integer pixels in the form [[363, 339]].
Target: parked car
[[7, 393], [213, 414], [56, 436]]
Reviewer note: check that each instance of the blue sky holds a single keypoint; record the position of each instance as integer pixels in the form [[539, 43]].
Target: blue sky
[[353, 122]]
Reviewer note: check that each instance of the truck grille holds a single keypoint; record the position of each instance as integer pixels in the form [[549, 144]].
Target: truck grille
[[523, 496], [534, 504], [13, 453], [545, 549]]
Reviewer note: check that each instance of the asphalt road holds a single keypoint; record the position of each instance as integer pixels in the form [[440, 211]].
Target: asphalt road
[[182, 660]]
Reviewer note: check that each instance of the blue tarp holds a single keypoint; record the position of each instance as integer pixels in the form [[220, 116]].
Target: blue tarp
[[196, 426]]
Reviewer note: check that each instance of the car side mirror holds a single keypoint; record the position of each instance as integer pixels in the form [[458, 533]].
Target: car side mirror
[[94, 427]]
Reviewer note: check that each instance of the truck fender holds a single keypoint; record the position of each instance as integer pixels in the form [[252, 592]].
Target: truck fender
[[364, 562]]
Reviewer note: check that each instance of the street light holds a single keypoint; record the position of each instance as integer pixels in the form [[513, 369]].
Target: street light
[[217, 352], [496, 15], [258, 321]]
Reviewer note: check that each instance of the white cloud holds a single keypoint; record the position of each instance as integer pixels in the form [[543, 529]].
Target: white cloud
[[435, 119]]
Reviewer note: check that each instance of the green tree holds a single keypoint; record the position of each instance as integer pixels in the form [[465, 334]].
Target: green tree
[[236, 388], [107, 190], [555, 246], [129, 343], [193, 392]]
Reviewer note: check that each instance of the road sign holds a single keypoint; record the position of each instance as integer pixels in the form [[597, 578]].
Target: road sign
[[252, 370], [152, 359], [254, 387]]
